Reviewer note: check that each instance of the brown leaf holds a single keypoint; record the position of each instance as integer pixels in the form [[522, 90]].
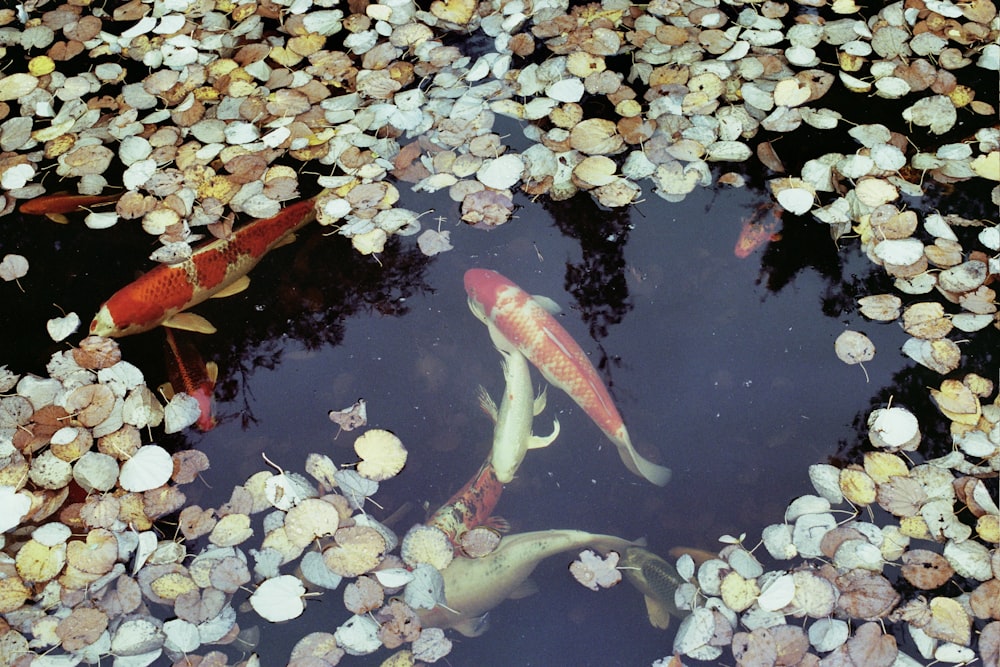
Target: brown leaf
[[866, 594], [81, 628], [926, 570], [363, 595], [871, 648]]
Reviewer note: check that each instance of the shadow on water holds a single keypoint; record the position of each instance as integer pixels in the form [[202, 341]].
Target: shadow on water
[[722, 367]]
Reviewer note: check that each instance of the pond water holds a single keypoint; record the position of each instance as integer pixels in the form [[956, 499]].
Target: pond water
[[722, 367]]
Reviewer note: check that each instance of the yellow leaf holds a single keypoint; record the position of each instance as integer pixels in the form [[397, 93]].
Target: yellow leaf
[[857, 486], [13, 594], [882, 465], [172, 585], [739, 593]]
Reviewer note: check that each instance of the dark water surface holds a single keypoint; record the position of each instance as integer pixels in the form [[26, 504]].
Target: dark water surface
[[723, 369]]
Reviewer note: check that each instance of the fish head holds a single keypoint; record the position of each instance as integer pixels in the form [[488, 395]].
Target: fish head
[[484, 286], [206, 417], [103, 323]]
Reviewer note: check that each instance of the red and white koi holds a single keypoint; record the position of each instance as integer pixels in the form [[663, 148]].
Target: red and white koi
[[512, 314], [189, 373], [159, 295], [471, 506]]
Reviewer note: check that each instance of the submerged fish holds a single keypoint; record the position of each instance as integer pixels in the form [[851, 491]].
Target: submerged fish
[[514, 315], [189, 373], [756, 231], [512, 436], [657, 580], [56, 205], [216, 268], [474, 586], [471, 506]]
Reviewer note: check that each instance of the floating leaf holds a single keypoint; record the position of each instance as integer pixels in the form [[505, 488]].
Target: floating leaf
[[279, 599], [596, 572], [350, 418], [382, 454], [149, 468]]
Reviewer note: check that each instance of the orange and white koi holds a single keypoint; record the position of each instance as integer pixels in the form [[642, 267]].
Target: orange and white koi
[[189, 373], [471, 506], [511, 313], [756, 232], [59, 203], [169, 289]]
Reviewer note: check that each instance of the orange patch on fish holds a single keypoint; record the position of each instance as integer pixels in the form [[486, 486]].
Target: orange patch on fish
[[64, 202], [169, 289], [757, 231]]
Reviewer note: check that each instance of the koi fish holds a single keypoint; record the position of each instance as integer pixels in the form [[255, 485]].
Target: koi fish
[[756, 233], [217, 268], [471, 506], [657, 580], [512, 436], [56, 205], [474, 586], [190, 374], [513, 315]]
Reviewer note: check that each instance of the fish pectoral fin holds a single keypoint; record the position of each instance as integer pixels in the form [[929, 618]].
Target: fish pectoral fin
[[190, 322], [524, 589], [537, 442], [659, 617], [57, 217], [539, 403], [284, 240], [547, 303], [473, 627], [498, 523], [236, 287], [487, 404], [213, 371]]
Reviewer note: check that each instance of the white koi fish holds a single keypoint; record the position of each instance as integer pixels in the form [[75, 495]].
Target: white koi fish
[[512, 436], [474, 586]]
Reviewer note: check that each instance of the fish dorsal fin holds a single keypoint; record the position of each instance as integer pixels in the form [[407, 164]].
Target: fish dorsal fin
[[659, 617], [547, 303], [213, 371], [524, 589], [236, 287], [190, 322], [537, 442]]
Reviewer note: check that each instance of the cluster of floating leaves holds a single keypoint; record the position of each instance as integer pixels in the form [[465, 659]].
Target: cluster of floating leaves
[[794, 616], [85, 568], [212, 131]]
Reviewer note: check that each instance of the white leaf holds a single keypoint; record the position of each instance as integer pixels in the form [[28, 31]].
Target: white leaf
[[13, 506], [150, 468], [60, 328], [501, 173], [279, 599], [182, 411], [13, 267], [358, 636]]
